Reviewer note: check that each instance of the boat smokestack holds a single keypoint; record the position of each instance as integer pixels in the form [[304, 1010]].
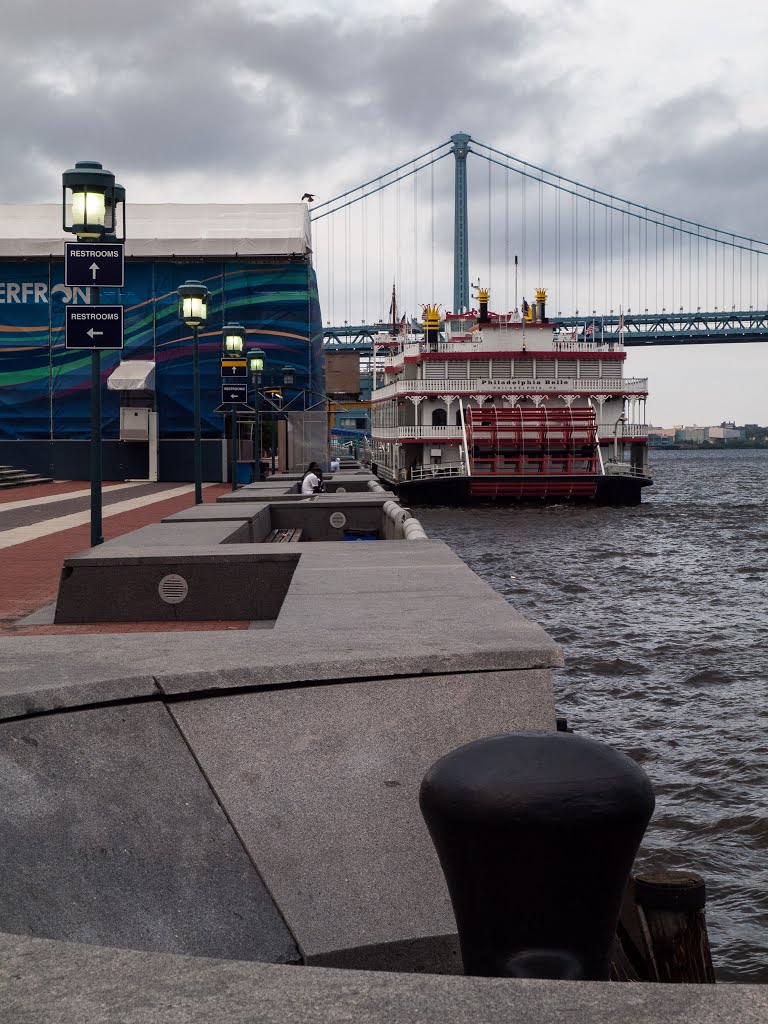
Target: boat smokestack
[[431, 320], [541, 298], [482, 297]]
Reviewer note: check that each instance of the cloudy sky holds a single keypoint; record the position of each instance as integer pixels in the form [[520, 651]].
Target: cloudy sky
[[665, 103]]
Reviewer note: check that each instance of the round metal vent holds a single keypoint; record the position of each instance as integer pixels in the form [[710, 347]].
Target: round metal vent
[[338, 519], [341, 490], [173, 588]]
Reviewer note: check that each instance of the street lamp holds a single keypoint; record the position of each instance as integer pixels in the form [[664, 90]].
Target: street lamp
[[232, 345], [233, 340], [193, 310], [256, 358], [289, 376], [90, 204]]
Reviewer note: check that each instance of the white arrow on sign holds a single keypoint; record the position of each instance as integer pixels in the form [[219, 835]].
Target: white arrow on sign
[[93, 268], [92, 334]]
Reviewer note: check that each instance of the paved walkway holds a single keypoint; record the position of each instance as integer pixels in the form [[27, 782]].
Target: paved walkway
[[42, 525]]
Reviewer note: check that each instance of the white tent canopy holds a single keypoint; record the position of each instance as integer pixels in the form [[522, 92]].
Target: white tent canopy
[[133, 375], [166, 230]]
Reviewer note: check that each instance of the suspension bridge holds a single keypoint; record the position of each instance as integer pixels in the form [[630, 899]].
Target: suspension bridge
[[613, 267]]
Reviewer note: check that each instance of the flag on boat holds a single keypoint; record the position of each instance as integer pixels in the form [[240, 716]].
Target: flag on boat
[[589, 329]]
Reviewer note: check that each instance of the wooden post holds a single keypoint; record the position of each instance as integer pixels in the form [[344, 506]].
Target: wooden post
[[663, 929]]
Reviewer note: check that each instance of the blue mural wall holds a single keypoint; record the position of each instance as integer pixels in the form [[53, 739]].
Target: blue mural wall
[[45, 389]]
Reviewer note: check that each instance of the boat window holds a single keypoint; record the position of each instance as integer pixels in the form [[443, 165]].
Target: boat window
[[457, 369], [439, 418], [434, 369], [610, 368]]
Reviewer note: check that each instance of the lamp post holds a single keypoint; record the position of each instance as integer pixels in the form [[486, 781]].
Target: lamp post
[[193, 310], [256, 366], [233, 343], [91, 205]]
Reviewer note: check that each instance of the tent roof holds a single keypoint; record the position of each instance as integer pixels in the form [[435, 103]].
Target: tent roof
[[133, 375], [163, 230]]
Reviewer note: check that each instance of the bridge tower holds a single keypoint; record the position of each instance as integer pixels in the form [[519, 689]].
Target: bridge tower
[[460, 149]]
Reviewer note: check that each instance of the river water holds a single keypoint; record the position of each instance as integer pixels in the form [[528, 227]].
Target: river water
[[662, 612]]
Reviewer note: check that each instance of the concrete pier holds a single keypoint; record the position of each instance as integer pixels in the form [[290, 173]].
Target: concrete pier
[[290, 753], [186, 814]]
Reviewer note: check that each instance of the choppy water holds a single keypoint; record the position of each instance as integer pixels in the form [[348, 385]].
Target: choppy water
[[662, 611]]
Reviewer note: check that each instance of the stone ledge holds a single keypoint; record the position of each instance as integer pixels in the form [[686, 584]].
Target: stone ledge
[[45, 982]]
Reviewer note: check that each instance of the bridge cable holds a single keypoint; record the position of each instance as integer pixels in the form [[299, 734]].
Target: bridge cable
[[506, 243], [432, 297], [629, 212], [415, 243], [380, 177], [489, 226], [379, 188], [589, 188], [364, 248]]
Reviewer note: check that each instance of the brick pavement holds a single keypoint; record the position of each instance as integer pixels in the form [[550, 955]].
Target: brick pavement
[[29, 572]]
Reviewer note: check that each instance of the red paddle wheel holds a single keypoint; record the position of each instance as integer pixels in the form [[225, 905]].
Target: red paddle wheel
[[520, 452]]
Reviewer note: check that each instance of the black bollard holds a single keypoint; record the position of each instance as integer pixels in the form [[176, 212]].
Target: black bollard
[[536, 834]]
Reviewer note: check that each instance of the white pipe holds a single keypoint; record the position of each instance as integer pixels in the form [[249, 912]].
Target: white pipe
[[599, 450], [464, 435]]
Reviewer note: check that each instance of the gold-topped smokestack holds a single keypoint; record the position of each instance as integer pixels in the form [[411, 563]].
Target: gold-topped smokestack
[[483, 294], [431, 318], [541, 298]]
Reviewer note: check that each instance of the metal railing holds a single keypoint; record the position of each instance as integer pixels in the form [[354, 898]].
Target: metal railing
[[515, 386], [429, 433], [607, 431], [428, 472], [502, 340], [623, 469]]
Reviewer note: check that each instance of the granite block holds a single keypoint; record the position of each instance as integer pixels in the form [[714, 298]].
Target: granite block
[[322, 782], [211, 512], [46, 982], [110, 834], [184, 534]]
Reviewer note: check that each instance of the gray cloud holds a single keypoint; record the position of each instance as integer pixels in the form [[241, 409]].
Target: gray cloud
[[230, 89]]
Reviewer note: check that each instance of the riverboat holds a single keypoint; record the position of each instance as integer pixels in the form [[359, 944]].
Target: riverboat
[[509, 407]]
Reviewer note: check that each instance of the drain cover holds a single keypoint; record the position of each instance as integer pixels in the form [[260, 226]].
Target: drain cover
[[173, 588], [337, 520]]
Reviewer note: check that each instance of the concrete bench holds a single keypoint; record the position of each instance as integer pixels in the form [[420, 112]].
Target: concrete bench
[[283, 536]]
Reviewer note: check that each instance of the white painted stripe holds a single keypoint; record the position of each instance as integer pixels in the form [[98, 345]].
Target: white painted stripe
[[6, 506], [22, 534]]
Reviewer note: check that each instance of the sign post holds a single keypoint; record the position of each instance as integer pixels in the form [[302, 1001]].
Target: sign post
[[94, 329], [92, 203]]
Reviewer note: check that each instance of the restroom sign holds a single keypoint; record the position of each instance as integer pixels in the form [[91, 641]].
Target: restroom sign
[[94, 264], [96, 328]]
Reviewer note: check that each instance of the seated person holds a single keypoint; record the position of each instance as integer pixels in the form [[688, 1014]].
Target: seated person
[[312, 481], [335, 464]]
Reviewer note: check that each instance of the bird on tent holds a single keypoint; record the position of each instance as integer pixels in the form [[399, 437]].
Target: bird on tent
[[309, 197]]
